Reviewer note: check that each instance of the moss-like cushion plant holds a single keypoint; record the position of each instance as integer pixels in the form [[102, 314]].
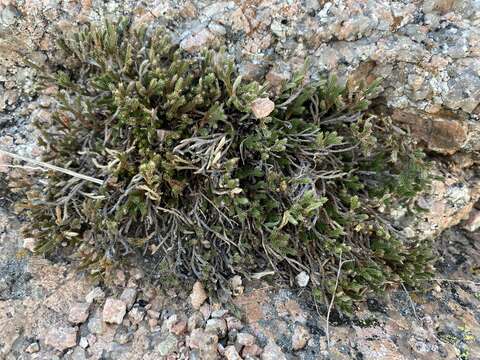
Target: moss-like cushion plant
[[194, 182]]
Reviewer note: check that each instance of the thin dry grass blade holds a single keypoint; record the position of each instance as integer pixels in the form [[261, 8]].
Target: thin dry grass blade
[[52, 167]]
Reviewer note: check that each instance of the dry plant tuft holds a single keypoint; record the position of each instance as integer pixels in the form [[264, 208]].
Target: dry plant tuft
[[192, 181]]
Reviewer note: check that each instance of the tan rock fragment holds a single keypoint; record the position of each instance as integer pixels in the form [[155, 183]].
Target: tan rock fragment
[[62, 338], [113, 311], [262, 107], [473, 221], [231, 353], [300, 338], [198, 295], [78, 313], [443, 135], [196, 41]]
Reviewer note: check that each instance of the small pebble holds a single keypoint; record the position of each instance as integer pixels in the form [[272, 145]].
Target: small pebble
[[198, 295], [33, 348], [113, 311], [83, 342]]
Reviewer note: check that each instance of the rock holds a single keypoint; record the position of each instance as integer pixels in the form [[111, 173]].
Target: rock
[[78, 354], [446, 136], [262, 107], [33, 348], [219, 313], [132, 283], [300, 337], [153, 314], [217, 326], [128, 296], [195, 339], [233, 323], [276, 78], [384, 348], [236, 285], [205, 342], [473, 222], [272, 352], [245, 339], [197, 41], [449, 201], [97, 294], [170, 321], [231, 353], [136, 315], [179, 328], [464, 88], [78, 313], [302, 279], [195, 321], [119, 278], [235, 281], [8, 15], [463, 160], [221, 350], [252, 351], [217, 29], [232, 336], [95, 324], [6, 140], [44, 101], [4, 285], [62, 338], [123, 335], [113, 311], [292, 309], [198, 295], [251, 71], [206, 311], [167, 346], [83, 342], [176, 324], [29, 242], [153, 323], [215, 9], [188, 10], [5, 161], [442, 6], [440, 134], [150, 293], [137, 273], [92, 339], [354, 28]]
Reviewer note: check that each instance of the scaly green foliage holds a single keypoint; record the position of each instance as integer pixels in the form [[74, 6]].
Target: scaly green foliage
[[194, 181]]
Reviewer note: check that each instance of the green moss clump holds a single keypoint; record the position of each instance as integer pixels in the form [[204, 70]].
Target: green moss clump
[[195, 182]]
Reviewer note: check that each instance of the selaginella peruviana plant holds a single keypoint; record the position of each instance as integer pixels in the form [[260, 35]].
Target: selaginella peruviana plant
[[195, 183]]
